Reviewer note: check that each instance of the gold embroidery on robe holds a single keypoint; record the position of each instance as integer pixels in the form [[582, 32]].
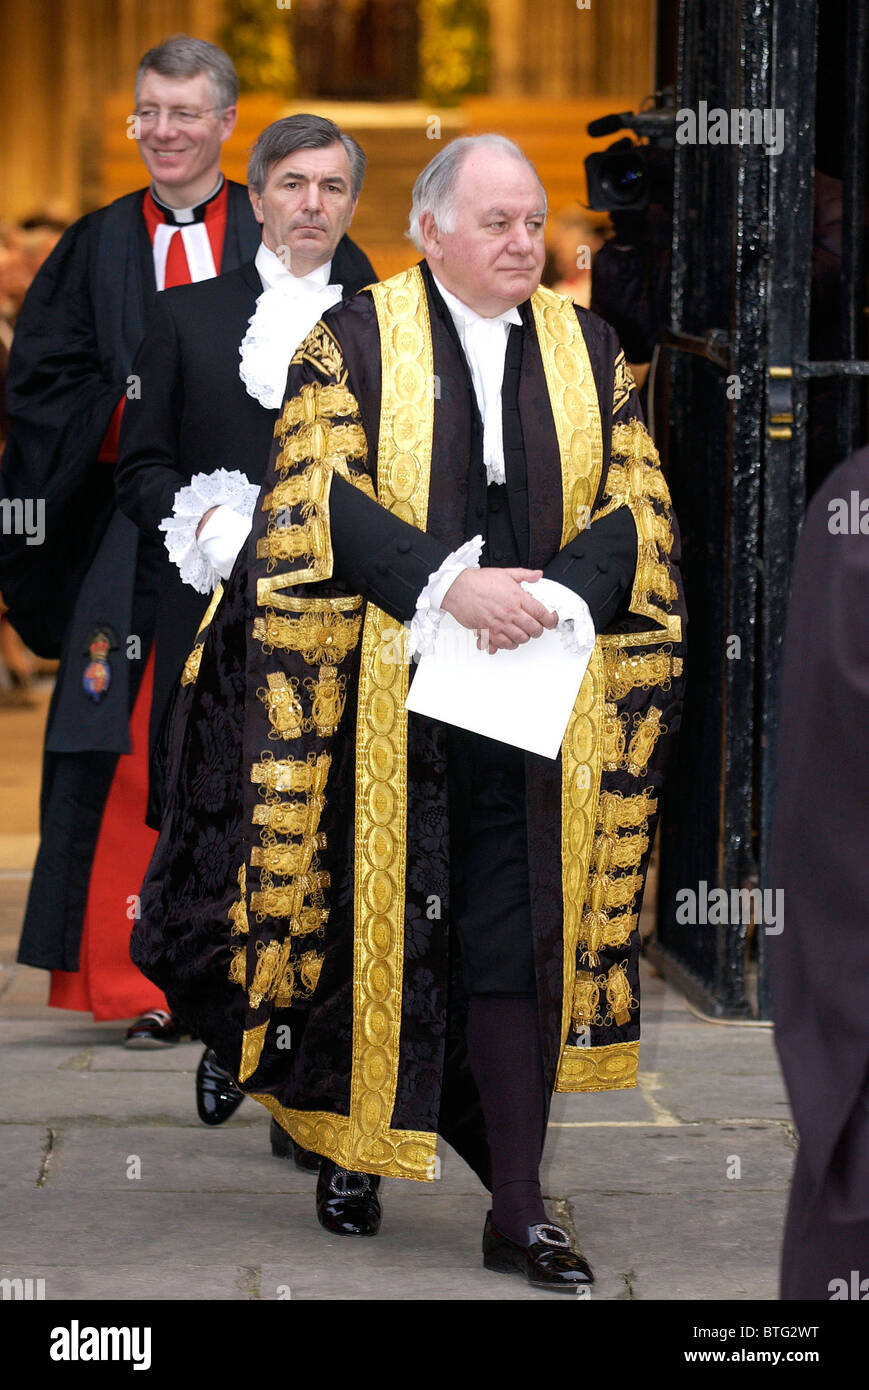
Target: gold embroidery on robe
[[285, 775], [310, 966], [327, 694], [637, 482], [365, 1138], [287, 817], [281, 700], [238, 912], [286, 900], [574, 404], [251, 1050], [287, 860], [643, 670], [586, 995], [614, 737], [619, 994], [321, 350], [623, 382], [320, 637], [647, 730], [612, 1067]]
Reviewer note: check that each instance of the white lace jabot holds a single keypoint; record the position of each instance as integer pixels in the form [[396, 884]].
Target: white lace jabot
[[286, 311]]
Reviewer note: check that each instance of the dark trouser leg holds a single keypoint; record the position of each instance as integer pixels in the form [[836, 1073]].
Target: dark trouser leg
[[492, 917], [507, 1065], [826, 1241]]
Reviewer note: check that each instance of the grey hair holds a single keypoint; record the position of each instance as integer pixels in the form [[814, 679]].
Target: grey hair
[[302, 132], [182, 56], [435, 189]]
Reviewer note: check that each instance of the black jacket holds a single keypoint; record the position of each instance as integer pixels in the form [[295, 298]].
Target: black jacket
[[193, 414]]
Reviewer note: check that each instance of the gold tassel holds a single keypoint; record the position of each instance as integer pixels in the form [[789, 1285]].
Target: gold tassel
[[613, 737], [585, 1001], [238, 966], [272, 958], [282, 705], [619, 995], [593, 926], [238, 912], [286, 988], [648, 730], [309, 969], [327, 695]]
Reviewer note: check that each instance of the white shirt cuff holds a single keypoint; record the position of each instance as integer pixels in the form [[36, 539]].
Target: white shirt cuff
[[224, 488], [427, 619], [575, 626]]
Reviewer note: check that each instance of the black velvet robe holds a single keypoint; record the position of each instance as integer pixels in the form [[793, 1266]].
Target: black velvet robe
[[364, 1070]]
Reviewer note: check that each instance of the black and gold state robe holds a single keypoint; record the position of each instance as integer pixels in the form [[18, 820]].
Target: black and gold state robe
[[297, 909]]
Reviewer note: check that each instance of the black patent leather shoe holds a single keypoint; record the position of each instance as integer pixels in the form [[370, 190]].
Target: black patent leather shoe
[[156, 1028], [284, 1146], [217, 1096], [547, 1261], [347, 1203]]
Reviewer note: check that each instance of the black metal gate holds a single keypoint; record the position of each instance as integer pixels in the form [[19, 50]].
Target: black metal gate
[[767, 392]]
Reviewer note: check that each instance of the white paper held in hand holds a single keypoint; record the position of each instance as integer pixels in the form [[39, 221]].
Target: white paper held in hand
[[523, 697]]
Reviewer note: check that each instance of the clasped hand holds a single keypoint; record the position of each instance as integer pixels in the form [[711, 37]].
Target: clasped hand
[[493, 602]]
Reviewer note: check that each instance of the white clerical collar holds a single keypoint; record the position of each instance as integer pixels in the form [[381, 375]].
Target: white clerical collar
[[189, 214], [463, 311], [273, 271]]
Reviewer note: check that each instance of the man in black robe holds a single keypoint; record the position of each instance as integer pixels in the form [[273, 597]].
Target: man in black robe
[[389, 928], [819, 963], [212, 368], [89, 593]]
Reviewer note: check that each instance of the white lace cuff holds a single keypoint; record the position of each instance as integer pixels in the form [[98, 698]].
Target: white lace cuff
[[575, 626], [427, 618], [205, 490]]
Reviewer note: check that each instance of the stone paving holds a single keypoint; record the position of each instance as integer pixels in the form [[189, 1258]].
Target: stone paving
[[111, 1188]]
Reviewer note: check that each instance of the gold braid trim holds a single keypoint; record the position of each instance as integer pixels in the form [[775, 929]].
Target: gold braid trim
[[238, 912], [289, 817], [586, 996], [308, 434], [283, 707], [321, 350], [251, 1049], [191, 665], [647, 730], [574, 404], [609, 1068], [643, 670], [635, 480], [285, 775], [319, 637], [364, 1140]]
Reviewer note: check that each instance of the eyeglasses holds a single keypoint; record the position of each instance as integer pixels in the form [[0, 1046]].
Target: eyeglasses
[[177, 115]]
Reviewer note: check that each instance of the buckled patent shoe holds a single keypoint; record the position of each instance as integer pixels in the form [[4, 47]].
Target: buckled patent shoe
[[155, 1028], [347, 1203], [284, 1146], [217, 1096], [547, 1261]]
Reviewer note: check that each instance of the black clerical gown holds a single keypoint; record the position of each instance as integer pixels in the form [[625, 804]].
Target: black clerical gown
[[298, 906], [90, 591]]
